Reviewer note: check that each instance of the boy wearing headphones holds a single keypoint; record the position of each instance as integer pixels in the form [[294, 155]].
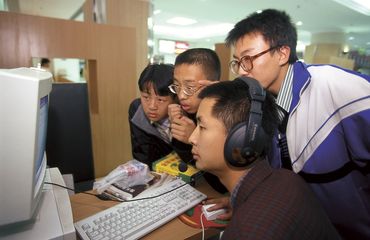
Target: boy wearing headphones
[[232, 137], [148, 117]]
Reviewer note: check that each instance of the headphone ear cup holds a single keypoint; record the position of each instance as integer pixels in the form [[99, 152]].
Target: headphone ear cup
[[234, 151]]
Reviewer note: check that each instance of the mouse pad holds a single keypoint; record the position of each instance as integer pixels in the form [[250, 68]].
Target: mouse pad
[[192, 219]]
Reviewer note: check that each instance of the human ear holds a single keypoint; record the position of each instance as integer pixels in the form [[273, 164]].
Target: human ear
[[284, 53]]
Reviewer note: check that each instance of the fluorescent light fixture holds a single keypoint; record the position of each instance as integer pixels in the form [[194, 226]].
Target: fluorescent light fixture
[[351, 38], [158, 11], [181, 21], [299, 23], [361, 6]]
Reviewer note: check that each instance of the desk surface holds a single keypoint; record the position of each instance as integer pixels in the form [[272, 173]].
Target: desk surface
[[84, 205]]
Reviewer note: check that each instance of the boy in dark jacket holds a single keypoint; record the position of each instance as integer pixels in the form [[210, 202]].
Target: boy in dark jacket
[[148, 117]]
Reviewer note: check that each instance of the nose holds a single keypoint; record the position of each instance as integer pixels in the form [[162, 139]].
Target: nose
[[193, 137], [153, 103], [182, 95], [241, 72]]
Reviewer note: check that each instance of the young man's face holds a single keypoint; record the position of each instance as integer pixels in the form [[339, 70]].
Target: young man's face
[[267, 67], [208, 140], [186, 76], [155, 106]]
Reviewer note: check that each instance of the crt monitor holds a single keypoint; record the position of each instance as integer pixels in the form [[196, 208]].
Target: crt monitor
[[24, 99]]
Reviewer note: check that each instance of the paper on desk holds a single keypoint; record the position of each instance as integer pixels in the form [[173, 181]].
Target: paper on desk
[[126, 175], [117, 193]]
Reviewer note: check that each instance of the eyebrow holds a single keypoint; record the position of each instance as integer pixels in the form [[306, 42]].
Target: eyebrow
[[185, 81], [199, 119], [190, 81], [244, 52]]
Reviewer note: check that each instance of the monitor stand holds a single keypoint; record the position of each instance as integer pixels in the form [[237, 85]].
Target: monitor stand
[[54, 218]]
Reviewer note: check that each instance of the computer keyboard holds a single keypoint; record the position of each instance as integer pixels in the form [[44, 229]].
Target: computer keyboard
[[132, 220]]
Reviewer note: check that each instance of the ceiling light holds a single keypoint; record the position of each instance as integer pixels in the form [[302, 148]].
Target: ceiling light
[[299, 23], [361, 6], [155, 12], [351, 38], [258, 11], [181, 21]]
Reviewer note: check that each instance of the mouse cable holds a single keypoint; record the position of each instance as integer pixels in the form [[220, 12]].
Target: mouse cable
[[201, 222]]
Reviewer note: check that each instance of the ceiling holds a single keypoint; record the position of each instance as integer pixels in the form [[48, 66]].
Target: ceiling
[[317, 16], [216, 17]]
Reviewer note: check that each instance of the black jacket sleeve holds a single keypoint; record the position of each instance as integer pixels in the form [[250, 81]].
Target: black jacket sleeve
[[137, 153], [145, 147]]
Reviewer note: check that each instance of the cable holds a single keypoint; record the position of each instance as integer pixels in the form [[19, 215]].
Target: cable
[[71, 189], [105, 199], [201, 223]]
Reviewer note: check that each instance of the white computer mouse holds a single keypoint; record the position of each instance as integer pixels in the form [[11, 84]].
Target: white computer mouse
[[212, 215]]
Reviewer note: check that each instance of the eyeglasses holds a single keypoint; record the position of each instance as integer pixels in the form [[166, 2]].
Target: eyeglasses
[[187, 90], [246, 62]]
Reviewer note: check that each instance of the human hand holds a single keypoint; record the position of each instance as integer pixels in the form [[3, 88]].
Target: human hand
[[174, 111], [182, 128], [221, 203]]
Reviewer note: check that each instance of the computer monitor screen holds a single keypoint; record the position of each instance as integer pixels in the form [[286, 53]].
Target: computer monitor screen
[[24, 100]]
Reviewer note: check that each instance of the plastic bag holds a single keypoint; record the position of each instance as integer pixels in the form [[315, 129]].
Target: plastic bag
[[126, 175]]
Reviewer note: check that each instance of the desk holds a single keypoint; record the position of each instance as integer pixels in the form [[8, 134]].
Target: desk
[[84, 205]]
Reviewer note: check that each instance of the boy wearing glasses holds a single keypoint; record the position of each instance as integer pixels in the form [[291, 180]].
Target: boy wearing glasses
[[148, 117], [191, 66], [324, 111]]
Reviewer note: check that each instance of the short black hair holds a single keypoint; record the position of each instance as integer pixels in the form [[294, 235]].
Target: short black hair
[[160, 76], [233, 103], [44, 61], [275, 26], [204, 57]]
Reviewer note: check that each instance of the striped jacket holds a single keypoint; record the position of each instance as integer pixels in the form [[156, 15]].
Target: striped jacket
[[328, 135]]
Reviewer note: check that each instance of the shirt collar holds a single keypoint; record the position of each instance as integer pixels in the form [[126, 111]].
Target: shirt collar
[[285, 96], [164, 123]]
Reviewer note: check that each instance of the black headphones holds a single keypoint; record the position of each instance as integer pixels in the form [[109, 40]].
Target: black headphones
[[246, 140]]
